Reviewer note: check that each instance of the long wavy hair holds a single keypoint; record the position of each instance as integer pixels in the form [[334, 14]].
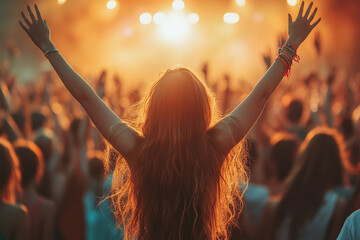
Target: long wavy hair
[[180, 185], [320, 167], [10, 176]]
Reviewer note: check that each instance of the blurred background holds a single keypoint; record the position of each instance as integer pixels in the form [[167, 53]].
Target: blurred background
[[139, 39]]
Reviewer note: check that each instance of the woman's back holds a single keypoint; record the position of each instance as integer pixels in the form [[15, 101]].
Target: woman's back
[[316, 227]]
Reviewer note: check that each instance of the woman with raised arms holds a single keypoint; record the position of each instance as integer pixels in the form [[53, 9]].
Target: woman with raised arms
[[179, 172]]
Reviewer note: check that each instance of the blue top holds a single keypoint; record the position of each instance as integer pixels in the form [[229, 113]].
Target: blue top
[[100, 222], [351, 228], [315, 228], [255, 198]]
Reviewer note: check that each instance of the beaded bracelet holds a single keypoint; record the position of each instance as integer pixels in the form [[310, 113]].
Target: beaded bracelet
[[48, 52], [286, 55]]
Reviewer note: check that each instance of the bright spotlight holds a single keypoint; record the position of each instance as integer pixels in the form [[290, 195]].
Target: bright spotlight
[[193, 18], [145, 18], [178, 5], [61, 2], [111, 4], [292, 2], [231, 17], [176, 28], [159, 18], [241, 3]]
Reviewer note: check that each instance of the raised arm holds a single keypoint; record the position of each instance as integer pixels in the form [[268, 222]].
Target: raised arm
[[101, 115], [250, 109]]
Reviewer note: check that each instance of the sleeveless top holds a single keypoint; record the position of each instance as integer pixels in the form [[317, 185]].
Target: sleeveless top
[[315, 229]]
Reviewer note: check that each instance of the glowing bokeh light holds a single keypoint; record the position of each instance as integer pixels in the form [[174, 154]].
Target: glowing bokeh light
[[111, 4], [145, 18], [292, 2], [61, 2], [159, 18], [241, 3], [176, 28], [258, 17], [193, 18], [128, 32], [178, 5], [231, 17]]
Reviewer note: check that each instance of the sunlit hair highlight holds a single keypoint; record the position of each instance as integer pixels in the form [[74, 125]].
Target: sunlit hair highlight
[[10, 176], [180, 185]]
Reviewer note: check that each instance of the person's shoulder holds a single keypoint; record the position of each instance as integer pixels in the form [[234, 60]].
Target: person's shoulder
[[350, 229], [354, 218], [18, 211]]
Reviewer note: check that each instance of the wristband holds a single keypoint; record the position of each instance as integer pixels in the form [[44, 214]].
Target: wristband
[[48, 52]]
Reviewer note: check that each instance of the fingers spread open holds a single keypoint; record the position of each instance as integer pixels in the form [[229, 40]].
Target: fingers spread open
[[38, 13], [301, 10], [315, 23], [23, 27], [289, 18], [31, 14], [308, 10], [25, 19], [312, 15]]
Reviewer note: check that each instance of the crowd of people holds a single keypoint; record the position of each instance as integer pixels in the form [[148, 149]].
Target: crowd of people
[[300, 161]]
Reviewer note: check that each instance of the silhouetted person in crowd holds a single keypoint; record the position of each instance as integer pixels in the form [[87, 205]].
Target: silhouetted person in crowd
[[41, 210], [13, 218], [312, 207]]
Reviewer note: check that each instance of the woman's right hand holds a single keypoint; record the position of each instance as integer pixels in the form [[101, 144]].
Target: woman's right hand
[[37, 29], [301, 27]]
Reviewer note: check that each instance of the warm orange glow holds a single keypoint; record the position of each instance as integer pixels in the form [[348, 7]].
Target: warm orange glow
[[176, 28], [61, 2]]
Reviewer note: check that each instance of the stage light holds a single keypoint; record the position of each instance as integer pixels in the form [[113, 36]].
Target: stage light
[[193, 18], [176, 28], [178, 5], [61, 2], [111, 4], [159, 18], [231, 17], [145, 18], [241, 3], [292, 2]]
